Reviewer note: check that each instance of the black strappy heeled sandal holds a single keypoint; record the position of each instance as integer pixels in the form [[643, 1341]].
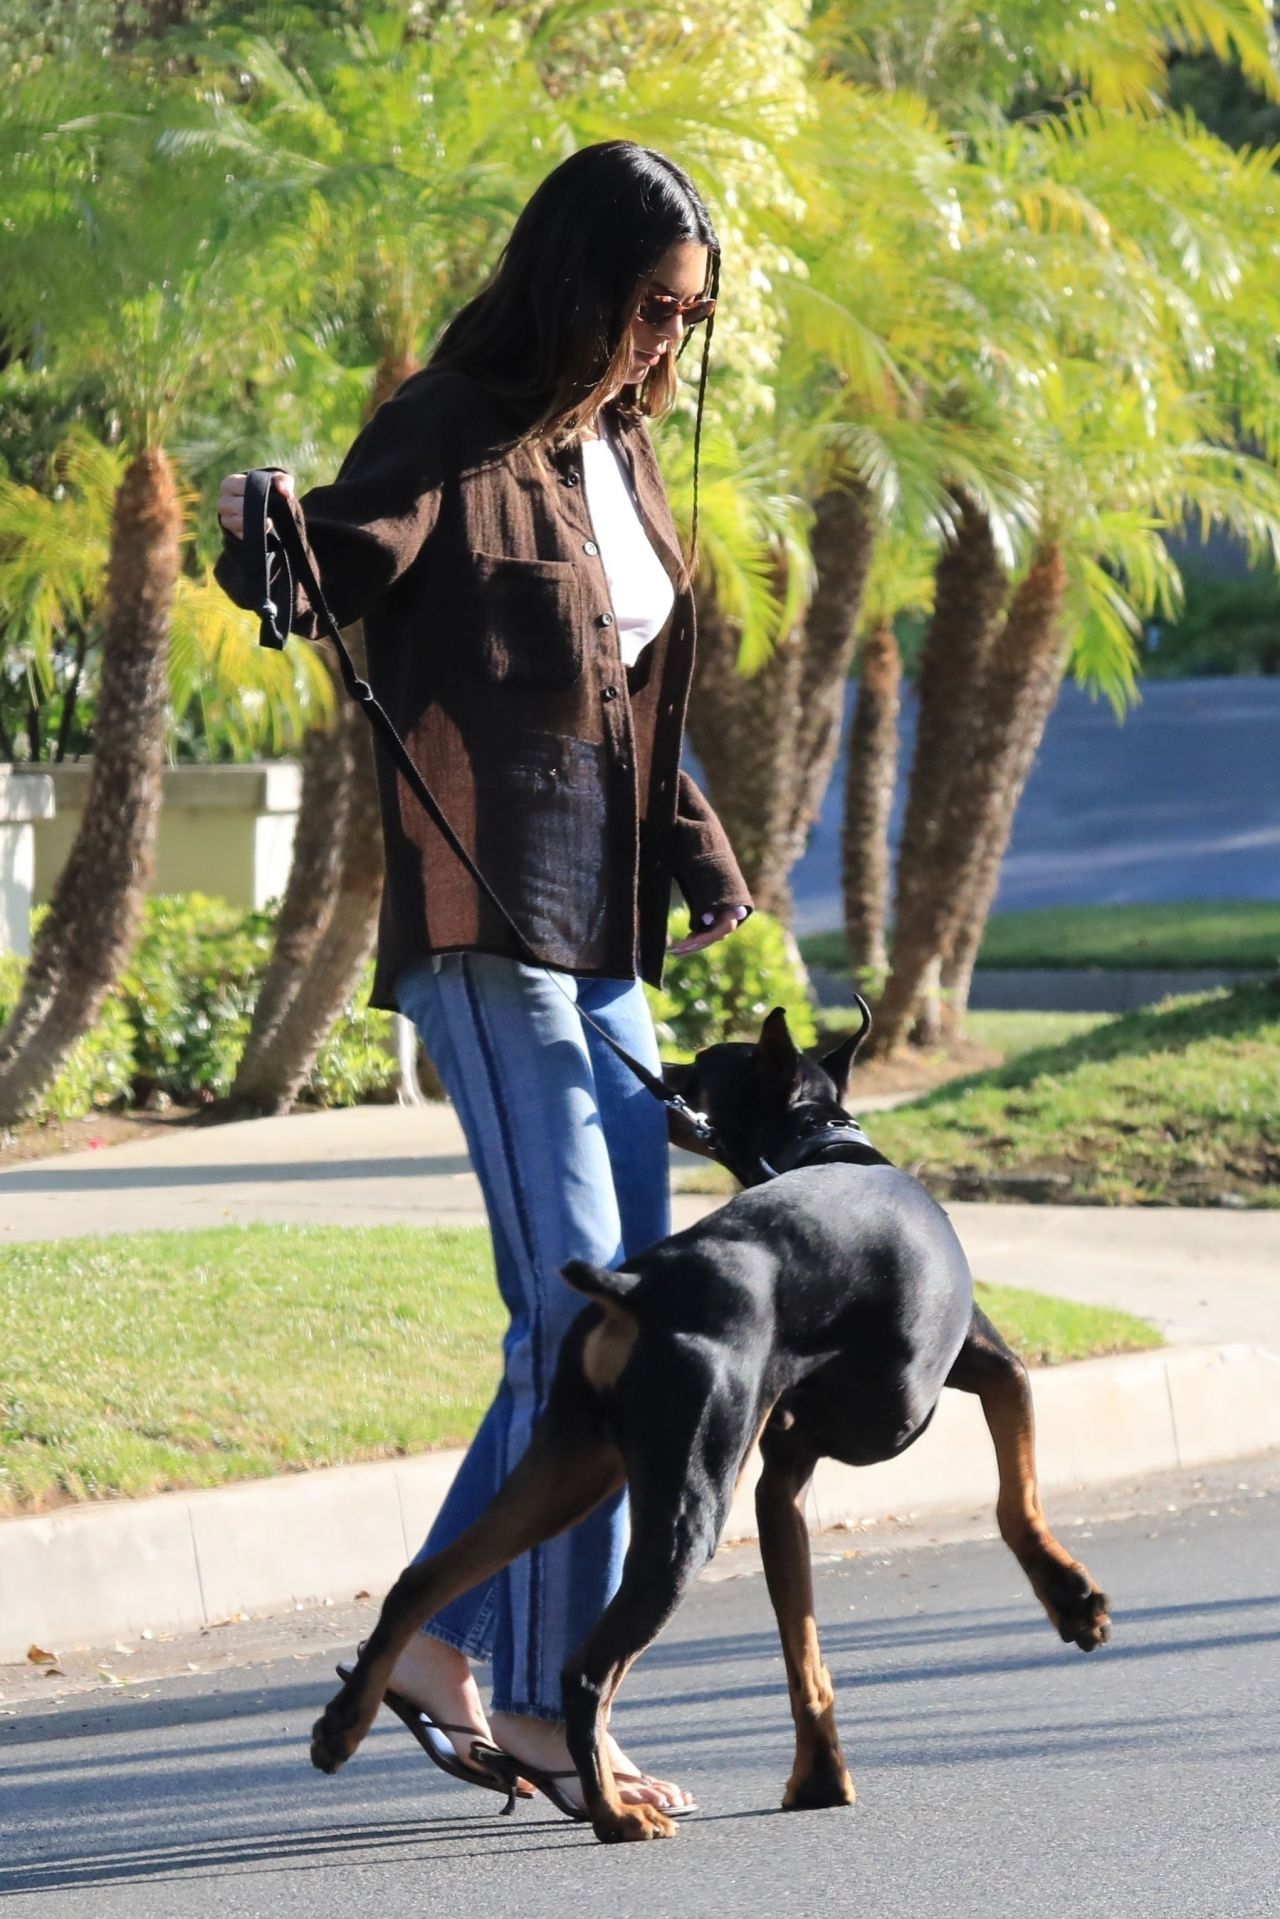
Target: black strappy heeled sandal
[[441, 1751], [505, 1766]]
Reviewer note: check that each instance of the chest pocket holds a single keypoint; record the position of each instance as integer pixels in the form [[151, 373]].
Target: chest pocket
[[529, 616]]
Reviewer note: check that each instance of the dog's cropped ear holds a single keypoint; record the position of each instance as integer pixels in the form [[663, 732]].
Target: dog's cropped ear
[[838, 1063], [776, 1054]]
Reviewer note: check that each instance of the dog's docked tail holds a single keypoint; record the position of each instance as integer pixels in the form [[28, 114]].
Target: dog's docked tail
[[609, 1344], [598, 1282]]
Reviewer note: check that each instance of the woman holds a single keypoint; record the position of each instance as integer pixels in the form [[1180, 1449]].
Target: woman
[[501, 529]]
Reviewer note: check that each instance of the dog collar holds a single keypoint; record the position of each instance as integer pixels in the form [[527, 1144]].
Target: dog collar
[[805, 1151]]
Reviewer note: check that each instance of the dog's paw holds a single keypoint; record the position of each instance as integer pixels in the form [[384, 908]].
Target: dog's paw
[[336, 1733], [818, 1789], [632, 1823], [1076, 1606]]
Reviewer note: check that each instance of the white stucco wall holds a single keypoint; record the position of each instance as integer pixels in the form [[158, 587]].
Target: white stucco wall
[[226, 830], [25, 800]]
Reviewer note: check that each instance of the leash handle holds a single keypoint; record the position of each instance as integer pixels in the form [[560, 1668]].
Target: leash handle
[[274, 555]]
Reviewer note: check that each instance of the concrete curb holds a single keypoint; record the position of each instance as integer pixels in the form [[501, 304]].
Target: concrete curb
[[90, 1574], [1068, 989]]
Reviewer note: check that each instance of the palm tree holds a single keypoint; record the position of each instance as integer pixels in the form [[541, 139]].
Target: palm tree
[[853, 438], [1129, 437], [167, 308], [902, 583]]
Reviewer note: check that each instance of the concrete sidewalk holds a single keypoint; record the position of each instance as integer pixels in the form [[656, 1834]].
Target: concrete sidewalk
[[1203, 1277]]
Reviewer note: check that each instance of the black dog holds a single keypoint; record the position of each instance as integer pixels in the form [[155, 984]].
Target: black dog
[[821, 1311]]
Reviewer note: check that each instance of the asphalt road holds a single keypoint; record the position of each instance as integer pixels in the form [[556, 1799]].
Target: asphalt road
[[1000, 1773], [1179, 802]]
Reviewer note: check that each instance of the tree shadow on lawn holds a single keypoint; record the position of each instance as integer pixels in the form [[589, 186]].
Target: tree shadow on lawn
[[1236, 1015]]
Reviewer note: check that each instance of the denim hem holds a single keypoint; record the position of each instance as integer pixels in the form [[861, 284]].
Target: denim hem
[[554, 1717], [468, 1643]]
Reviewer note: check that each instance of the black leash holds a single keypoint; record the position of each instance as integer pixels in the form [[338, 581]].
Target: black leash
[[274, 553]]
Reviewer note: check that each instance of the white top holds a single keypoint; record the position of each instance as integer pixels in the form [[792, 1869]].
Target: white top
[[641, 592]]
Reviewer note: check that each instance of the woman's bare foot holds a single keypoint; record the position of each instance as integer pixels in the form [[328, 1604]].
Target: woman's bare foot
[[542, 1743], [438, 1679]]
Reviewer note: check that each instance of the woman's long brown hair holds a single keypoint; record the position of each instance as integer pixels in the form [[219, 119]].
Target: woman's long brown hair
[[550, 333]]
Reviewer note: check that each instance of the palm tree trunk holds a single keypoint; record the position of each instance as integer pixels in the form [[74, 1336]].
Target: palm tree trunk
[[871, 777], [93, 916], [338, 960], [767, 744], [744, 732], [957, 971], [1018, 690], [970, 588], [321, 966], [307, 906], [1032, 650], [392, 371], [842, 540]]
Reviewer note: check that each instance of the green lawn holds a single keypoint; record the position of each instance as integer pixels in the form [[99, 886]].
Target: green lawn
[[1179, 1104], [1007, 1034], [1205, 933], [1047, 1332], [189, 1359], [162, 1360]]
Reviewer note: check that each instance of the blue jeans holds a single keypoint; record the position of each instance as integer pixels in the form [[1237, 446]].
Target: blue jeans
[[571, 1154]]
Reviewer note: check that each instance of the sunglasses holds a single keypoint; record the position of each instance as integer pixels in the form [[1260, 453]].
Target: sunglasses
[[657, 308]]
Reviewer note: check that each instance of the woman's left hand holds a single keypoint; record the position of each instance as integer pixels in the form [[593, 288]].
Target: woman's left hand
[[718, 925]]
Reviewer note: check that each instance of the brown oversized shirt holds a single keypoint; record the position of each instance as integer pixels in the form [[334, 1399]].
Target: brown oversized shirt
[[492, 643]]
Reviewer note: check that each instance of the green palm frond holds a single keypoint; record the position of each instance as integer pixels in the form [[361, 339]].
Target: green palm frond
[[968, 58], [825, 328], [902, 576], [1121, 55], [252, 697], [53, 550], [121, 259], [750, 531]]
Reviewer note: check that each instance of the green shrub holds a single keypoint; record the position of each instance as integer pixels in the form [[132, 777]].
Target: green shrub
[[179, 1016], [1225, 626], [359, 1056], [98, 1071], [724, 991], [189, 992]]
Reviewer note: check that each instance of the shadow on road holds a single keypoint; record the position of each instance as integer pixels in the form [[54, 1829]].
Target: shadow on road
[[248, 1745]]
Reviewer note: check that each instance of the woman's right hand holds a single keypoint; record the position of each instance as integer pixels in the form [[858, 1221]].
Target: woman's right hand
[[231, 499]]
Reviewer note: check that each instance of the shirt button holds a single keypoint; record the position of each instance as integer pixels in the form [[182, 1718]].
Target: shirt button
[[606, 619], [591, 547], [610, 693]]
